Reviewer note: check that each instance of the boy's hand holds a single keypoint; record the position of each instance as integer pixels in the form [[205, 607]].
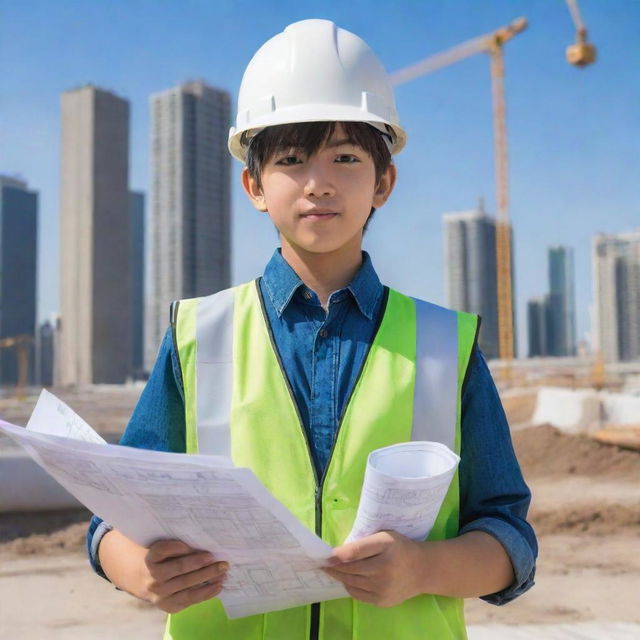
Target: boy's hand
[[382, 569], [177, 576]]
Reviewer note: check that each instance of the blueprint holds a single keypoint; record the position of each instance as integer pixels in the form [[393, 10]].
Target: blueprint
[[202, 500], [403, 489]]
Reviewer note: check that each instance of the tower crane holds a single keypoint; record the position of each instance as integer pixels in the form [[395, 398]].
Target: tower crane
[[490, 43]]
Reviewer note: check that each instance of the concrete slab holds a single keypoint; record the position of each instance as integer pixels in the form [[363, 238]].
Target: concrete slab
[[27, 487]]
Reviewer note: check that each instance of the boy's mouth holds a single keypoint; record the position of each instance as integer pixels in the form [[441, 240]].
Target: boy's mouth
[[318, 214]]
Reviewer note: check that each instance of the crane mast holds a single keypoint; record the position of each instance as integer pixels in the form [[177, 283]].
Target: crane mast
[[503, 228], [491, 44]]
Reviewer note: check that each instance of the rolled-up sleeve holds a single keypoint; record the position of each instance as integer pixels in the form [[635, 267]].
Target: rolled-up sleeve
[[494, 497], [157, 423]]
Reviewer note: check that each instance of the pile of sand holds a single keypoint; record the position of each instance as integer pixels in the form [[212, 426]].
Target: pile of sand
[[590, 518], [570, 468], [70, 538], [547, 452], [43, 532]]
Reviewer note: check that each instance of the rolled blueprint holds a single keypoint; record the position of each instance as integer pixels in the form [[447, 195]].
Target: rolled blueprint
[[403, 489]]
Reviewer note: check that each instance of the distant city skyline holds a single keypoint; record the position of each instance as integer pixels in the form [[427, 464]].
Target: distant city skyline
[[572, 133]]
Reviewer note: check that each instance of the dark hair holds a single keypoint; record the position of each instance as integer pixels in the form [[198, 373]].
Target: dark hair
[[309, 137]]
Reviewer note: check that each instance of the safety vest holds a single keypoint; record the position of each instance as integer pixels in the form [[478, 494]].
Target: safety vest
[[238, 403]]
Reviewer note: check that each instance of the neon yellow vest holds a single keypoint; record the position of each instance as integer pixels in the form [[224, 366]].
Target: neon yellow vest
[[379, 413]]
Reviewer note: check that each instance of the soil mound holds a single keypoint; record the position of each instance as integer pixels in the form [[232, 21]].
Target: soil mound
[[44, 531], [594, 519], [545, 451], [71, 538]]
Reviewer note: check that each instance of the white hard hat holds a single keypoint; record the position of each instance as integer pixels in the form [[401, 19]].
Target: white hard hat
[[314, 71]]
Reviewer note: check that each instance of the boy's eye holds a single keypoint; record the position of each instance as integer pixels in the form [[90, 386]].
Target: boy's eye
[[346, 158], [289, 160]]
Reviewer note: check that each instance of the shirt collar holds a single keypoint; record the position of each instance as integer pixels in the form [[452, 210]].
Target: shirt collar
[[281, 282], [366, 287]]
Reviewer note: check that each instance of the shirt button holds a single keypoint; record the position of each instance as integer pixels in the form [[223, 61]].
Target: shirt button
[[324, 333], [307, 295]]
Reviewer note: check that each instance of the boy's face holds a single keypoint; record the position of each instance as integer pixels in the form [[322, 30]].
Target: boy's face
[[320, 203]]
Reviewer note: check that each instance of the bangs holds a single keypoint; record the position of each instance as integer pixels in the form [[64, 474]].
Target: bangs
[[310, 137], [306, 137]]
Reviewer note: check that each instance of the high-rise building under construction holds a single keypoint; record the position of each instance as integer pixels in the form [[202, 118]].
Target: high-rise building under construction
[[470, 271], [95, 289], [189, 235], [616, 280]]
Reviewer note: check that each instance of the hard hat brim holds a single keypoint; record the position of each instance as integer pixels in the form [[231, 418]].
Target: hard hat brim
[[311, 113]]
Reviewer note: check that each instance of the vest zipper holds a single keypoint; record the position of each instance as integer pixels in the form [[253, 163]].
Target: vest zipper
[[314, 627]]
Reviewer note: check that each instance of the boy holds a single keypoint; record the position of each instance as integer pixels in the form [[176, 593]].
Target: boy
[[304, 372]]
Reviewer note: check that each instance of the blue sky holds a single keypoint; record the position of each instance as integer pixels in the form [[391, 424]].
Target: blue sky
[[574, 134]]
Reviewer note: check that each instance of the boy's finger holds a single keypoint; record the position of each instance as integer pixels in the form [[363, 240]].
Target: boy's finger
[[351, 579], [362, 595], [164, 549], [365, 567], [363, 548], [183, 599], [213, 574], [175, 567]]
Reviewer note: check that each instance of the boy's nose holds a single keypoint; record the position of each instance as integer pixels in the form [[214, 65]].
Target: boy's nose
[[318, 184]]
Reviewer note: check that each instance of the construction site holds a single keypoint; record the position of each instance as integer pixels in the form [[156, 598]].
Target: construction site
[[583, 472], [575, 428]]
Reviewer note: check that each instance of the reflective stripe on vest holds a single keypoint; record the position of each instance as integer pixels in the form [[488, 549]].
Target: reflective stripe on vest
[[236, 393]]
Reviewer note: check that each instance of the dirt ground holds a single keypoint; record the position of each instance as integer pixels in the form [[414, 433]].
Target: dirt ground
[[585, 509]]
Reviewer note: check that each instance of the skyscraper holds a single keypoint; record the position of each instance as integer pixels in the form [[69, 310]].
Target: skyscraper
[[18, 268], [562, 313], [552, 319], [537, 323], [189, 249], [46, 353], [95, 305], [616, 279], [470, 271], [137, 258]]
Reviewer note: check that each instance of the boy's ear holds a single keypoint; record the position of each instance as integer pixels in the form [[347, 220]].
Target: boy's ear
[[254, 192], [385, 186]]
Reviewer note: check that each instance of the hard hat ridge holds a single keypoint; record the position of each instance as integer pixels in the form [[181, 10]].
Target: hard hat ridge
[[314, 71]]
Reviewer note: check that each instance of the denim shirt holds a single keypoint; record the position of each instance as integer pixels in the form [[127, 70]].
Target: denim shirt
[[322, 354]]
